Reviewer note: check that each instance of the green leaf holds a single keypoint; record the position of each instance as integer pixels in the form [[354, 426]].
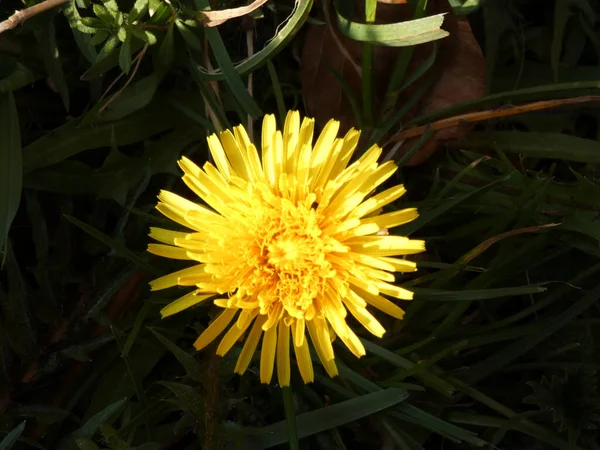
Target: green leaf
[[99, 37], [166, 53], [12, 437], [71, 139], [122, 34], [537, 145], [19, 77], [188, 399], [325, 418], [505, 356], [125, 56], [432, 295], [109, 47], [232, 78], [133, 98], [46, 37], [86, 444], [111, 7], [188, 35], [75, 21], [112, 438], [192, 367], [103, 14], [101, 66], [11, 164], [91, 426], [144, 35], [275, 45], [117, 247], [139, 10], [402, 34]]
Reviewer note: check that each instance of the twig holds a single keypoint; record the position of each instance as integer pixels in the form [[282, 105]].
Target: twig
[[135, 69], [21, 16], [482, 116], [214, 18]]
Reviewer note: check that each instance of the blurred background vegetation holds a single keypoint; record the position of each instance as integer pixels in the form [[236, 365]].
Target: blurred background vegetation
[[493, 122]]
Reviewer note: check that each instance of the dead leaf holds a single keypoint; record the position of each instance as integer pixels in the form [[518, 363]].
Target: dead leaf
[[460, 64], [214, 18]]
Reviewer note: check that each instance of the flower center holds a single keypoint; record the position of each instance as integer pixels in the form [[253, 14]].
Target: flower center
[[283, 264]]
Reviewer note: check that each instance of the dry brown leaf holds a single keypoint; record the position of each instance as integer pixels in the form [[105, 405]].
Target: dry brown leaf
[[459, 61], [214, 18]]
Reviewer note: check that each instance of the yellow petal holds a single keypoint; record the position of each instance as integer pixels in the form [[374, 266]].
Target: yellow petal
[[379, 201], [267, 355], [215, 328], [385, 245], [304, 362], [170, 280], [299, 332], [400, 265], [383, 304], [328, 364], [166, 236], [219, 156], [365, 318], [250, 346], [185, 302], [235, 155], [234, 333], [324, 146], [291, 132], [353, 343], [394, 291], [393, 219], [168, 251], [268, 157], [349, 145], [283, 355]]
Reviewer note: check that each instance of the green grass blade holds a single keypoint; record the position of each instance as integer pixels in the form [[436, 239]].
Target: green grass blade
[[12, 437], [46, 37], [232, 77], [277, 92], [411, 32], [432, 295], [118, 248], [11, 165], [512, 352], [327, 418], [274, 46], [537, 145]]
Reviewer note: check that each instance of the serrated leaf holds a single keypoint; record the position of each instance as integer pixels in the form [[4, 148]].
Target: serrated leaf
[[74, 18], [86, 444], [110, 46], [117, 247], [125, 56], [139, 10], [113, 439], [93, 24], [46, 37], [190, 364], [133, 98], [122, 34], [12, 437], [89, 428], [144, 35], [112, 7], [11, 165], [188, 399], [99, 37], [72, 138], [103, 14]]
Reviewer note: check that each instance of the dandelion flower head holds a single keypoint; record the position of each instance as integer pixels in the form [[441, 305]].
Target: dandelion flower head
[[289, 243]]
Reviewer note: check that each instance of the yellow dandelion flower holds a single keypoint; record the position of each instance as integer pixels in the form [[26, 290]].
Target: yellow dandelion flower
[[291, 242]]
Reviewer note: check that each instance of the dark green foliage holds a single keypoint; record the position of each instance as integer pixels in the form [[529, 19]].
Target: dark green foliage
[[98, 100]]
